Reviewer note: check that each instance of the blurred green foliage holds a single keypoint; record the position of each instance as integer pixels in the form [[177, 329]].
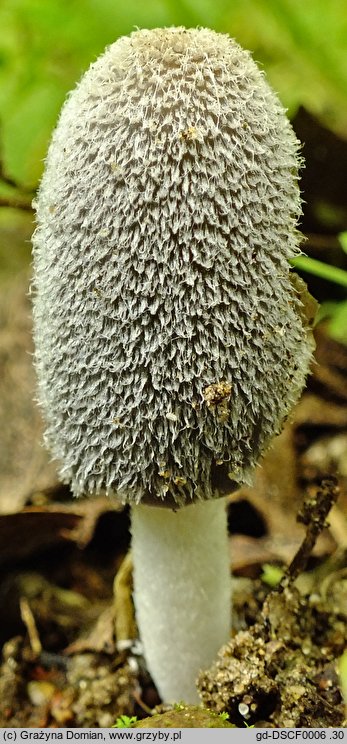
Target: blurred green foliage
[[334, 312], [45, 45], [271, 574]]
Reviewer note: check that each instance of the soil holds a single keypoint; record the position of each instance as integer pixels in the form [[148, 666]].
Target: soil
[[64, 624]]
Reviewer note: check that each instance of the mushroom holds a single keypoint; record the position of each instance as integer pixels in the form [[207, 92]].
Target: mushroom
[[171, 340]]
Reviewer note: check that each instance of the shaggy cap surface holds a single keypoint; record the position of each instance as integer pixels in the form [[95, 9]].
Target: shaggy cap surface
[[171, 341]]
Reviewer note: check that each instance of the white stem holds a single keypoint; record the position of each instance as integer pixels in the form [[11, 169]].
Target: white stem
[[182, 592]]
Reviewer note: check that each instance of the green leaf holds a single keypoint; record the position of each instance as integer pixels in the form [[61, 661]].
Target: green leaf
[[338, 323], [323, 270], [343, 241], [271, 575], [125, 721]]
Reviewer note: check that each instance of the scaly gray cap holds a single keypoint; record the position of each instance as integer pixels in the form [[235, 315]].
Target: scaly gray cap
[[171, 340]]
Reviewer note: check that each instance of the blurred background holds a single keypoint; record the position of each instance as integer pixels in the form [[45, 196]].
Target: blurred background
[[46, 46], [47, 541]]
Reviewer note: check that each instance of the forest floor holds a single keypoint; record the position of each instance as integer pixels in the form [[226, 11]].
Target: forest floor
[[59, 617]]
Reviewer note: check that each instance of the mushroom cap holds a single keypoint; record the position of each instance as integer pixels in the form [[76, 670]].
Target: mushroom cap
[[171, 341]]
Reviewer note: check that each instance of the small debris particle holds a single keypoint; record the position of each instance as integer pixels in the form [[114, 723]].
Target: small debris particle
[[243, 709], [217, 397], [171, 416], [40, 693], [180, 481], [189, 134]]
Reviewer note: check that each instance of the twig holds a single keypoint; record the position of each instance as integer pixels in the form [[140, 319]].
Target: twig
[[9, 181], [29, 622], [313, 514], [14, 203], [125, 626]]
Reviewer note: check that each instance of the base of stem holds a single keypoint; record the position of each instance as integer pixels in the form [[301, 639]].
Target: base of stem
[[182, 590]]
